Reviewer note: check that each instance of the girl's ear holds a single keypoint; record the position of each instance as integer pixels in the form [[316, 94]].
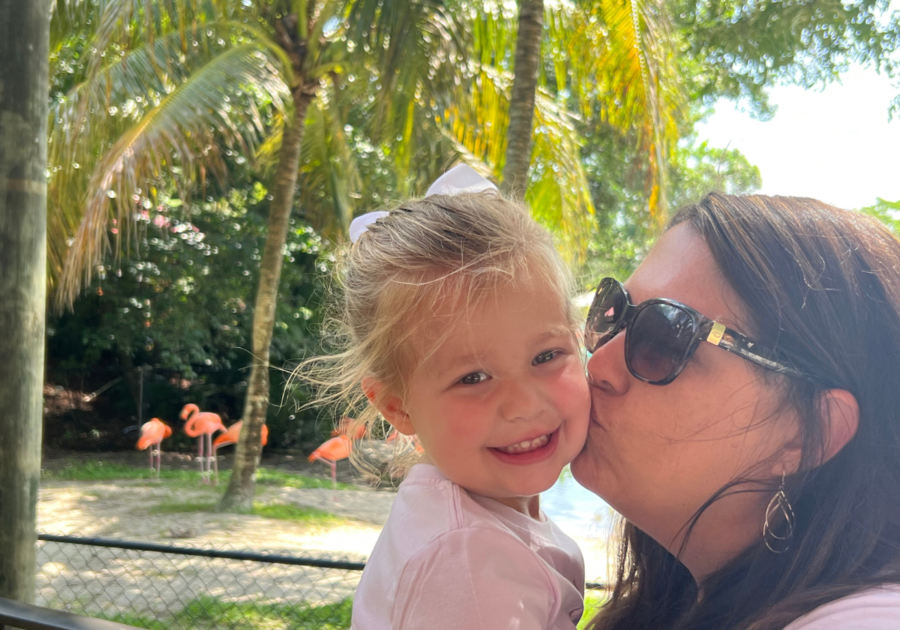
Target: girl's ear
[[390, 405]]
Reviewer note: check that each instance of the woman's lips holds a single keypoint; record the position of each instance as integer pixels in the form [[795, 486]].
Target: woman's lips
[[537, 449]]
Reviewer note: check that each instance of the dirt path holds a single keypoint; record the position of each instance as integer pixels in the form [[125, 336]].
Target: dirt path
[[97, 580], [123, 509]]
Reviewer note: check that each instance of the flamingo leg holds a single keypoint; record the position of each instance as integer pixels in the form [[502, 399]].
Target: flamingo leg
[[211, 463], [200, 459], [215, 460], [158, 459], [206, 438], [333, 477]]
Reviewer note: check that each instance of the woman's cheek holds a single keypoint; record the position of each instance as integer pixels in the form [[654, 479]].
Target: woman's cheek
[[574, 393]]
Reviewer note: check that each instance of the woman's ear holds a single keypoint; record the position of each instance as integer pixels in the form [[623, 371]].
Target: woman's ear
[[839, 415], [390, 405], [840, 420]]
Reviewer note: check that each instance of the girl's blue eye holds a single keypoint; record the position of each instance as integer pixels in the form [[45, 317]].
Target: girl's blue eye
[[544, 357], [474, 378]]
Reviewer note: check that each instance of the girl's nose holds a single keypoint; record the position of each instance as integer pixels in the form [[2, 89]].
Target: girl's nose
[[523, 399]]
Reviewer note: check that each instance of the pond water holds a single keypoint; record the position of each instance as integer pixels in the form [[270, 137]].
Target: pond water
[[577, 511]]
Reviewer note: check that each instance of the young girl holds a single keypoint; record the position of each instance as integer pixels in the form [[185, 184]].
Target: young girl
[[460, 332]]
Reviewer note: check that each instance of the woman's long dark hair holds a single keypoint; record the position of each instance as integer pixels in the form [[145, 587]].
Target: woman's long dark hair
[[822, 285]]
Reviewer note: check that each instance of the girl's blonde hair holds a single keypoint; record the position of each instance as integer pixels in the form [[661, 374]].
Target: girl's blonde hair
[[426, 254]]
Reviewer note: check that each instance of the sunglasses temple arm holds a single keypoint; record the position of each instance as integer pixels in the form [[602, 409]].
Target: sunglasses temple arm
[[736, 343]]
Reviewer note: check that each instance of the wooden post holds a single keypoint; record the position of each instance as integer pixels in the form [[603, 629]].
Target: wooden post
[[24, 94]]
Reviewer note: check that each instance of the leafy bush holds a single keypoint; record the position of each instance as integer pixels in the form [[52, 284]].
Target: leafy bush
[[177, 315]]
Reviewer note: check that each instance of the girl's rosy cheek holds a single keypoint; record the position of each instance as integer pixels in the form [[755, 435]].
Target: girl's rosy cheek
[[466, 420]]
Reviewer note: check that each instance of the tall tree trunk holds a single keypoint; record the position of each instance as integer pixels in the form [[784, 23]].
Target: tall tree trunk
[[521, 102], [239, 494], [24, 77]]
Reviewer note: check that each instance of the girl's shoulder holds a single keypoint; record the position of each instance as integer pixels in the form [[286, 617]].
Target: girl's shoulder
[[875, 608]]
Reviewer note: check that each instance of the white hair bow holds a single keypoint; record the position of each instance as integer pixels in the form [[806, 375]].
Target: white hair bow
[[361, 223], [459, 179]]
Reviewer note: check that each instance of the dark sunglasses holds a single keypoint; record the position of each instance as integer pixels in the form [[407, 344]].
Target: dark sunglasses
[[662, 335]]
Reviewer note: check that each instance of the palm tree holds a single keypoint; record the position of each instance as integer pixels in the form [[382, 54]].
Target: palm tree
[[615, 55], [521, 100], [24, 39]]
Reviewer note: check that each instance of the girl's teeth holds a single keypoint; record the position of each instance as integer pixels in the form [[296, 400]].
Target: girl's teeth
[[529, 445]]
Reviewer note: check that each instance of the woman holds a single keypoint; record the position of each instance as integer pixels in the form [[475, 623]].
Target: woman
[[760, 479]]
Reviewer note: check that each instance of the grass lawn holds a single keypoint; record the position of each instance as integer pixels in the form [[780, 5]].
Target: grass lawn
[[106, 471], [206, 613], [593, 600], [209, 612], [280, 511]]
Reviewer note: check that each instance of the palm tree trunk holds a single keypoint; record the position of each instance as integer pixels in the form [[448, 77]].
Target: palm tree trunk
[[24, 76], [521, 102], [238, 496]]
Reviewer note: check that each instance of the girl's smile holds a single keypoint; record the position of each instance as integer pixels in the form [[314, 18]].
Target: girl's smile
[[528, 451], [500, 408]]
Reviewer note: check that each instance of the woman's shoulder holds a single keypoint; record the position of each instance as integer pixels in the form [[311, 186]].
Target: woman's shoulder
[[875, 608]]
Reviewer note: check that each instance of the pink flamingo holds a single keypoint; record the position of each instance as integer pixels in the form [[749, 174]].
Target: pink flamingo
[[152, 435], [202, 424], [394, 435], [331, 452], [231, 436], [350, 428]]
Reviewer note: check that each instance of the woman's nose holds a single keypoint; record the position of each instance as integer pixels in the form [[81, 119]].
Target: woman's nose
[[606, 368]]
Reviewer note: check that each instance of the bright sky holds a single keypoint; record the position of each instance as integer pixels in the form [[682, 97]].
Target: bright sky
[[835, 144]]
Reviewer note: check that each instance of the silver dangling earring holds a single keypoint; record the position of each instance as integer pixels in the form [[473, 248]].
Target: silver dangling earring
[[780, 541]]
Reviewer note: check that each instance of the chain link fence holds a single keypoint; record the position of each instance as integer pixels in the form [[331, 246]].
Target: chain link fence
[[186, 588]]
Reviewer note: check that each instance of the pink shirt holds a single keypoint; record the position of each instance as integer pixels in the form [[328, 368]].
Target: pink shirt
[[451, 560], [873, 609]]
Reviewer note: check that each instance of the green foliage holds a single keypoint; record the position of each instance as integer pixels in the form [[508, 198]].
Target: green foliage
[[737, 49], [625, 227], [286, 512], [593, 601], [699, 169], [279, 511], [182, 304], [888, 212]]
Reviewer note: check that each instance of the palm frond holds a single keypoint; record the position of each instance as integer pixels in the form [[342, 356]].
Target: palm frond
[[328, 177], [558, 193], [418, 51], [630, 74], [179, 133]]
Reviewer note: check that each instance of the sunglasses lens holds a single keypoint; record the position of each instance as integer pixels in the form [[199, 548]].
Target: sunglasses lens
[[658, 341], [606, 311]]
